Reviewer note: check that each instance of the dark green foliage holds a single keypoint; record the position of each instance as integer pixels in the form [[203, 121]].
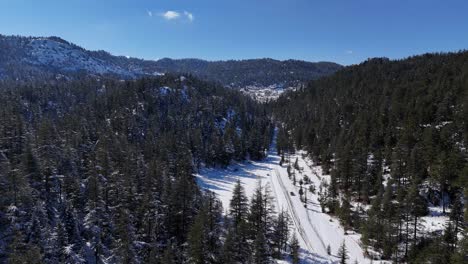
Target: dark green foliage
[[236, 248], [343, 253], [261, 252], [16, 62], [461, 253], [238, 209], [294, 249], [107, 167], [400, 122], [22, 253], [239, 73], [205, 233], [382, 105], [280, 234], [345, 213], [255, 235]]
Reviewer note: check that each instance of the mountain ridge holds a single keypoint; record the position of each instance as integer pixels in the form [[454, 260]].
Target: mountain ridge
[[45, 57]]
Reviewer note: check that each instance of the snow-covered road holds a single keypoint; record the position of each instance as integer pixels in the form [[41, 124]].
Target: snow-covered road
[[299, 224], [314, 229]]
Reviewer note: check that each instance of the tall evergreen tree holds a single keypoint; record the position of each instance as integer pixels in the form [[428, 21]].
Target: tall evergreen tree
[[343, 253], [294, 247], [238, 208]]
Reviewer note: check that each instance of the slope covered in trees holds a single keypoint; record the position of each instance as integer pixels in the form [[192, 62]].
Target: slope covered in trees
[[102, 171], [258, 72], [393, 136], [37, 58], [97, 170]]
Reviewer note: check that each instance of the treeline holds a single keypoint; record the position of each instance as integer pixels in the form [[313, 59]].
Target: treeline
[[101, 171], [37, 58], [251, 232], [393, 136], [241, 73]]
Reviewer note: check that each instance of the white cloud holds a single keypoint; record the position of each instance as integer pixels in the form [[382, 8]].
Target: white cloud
[[349, 52], [150, 13], [174, 15], [189, 16], [170, 15]]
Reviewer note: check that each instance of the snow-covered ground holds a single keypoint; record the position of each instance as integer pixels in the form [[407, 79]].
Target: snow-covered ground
[[265, 93], [314, 229], [436, 221]]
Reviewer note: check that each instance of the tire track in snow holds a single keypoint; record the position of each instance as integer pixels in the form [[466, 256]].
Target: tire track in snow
[[347, 238], [316, 232], [293, 214]]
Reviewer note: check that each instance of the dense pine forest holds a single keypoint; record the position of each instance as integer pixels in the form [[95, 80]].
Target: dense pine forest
[[393, 136], [101, 171]]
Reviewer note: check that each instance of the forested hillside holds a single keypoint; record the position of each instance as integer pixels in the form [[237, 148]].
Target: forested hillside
[[94, 169], [38, 58], [254, 72], [102, 172], [393, 136]]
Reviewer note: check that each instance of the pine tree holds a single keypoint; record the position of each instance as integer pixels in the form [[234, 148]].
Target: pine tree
[[294, 249], [213, 227], [257, 211], [280, 235], [456, 218], [236, 248], [449, 237], [204, 235], [261, 252], [323, 196], [345, 213], [168, 256], [305, 198], [460, 254], [261, 218], [238, 209], [196, 240], [343, 253], [21, 252], [418, 208]]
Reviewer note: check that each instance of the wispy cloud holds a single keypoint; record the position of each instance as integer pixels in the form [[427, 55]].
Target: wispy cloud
[[175, 15], [170, 15], [189, 16], [349, 52], [150, 14]]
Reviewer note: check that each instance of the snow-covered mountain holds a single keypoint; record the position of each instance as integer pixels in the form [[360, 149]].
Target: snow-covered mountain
[[26, 58], [35, 58], [64, 56]]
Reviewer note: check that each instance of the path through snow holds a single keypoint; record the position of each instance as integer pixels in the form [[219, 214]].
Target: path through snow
[[314, 229]]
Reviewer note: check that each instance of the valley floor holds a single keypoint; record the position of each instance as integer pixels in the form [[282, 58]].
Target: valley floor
[[314, 229]]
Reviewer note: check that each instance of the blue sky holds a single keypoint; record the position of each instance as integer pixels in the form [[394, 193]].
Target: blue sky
[[343, 31]]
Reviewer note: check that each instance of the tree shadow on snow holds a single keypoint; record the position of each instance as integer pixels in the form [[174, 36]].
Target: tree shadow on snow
[[223, 179], [312, 258]]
